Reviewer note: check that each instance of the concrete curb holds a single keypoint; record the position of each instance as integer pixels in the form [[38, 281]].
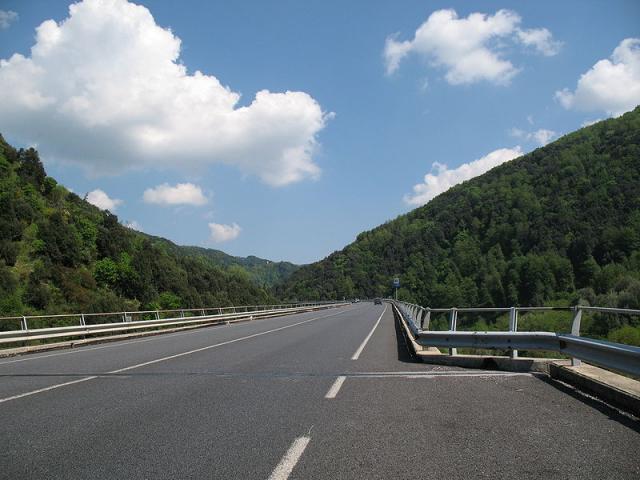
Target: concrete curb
[[491, 362], [618, 390]]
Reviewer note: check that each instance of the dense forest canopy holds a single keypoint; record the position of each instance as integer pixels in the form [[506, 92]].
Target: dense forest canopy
[[264, 272], [556, 226], [60, 254]]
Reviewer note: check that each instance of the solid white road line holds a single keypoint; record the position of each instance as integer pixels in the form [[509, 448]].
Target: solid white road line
[[208, 347], [170, 357], [163, 336], [335, 388], [111, 345], [46, 389], [450, 374], [364, 343], [476, 375], [290, 459]]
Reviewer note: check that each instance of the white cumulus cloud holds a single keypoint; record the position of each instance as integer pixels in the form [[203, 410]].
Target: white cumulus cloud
[[467, 48], [611, 85], [106, 88], [223, 233], [541, 136], [101, 200], [443, 179], [134, 225], [181, 194], [7, 17]]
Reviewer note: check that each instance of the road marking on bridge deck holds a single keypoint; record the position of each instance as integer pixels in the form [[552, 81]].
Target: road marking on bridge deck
[[431, 375], [364, 343], [46, 389], [163, 359], [82, 349], [208, 347], [335, 388], [290, 459], [116, 344]]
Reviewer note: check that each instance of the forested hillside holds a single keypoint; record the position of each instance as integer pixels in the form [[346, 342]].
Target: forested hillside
[[58, 253], [265, 273], [558, 225]]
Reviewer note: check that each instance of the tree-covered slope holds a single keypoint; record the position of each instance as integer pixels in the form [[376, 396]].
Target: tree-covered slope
[[264, 272], [557, 224], [59, 253]]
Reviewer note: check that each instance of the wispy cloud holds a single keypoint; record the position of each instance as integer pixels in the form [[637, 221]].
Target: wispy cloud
[[541, 136], [181, 194], [7, 17], [224, 233]]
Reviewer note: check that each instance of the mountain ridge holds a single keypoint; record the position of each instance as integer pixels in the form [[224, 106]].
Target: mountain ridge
[[59, 253], [263, 271], [559, 224]]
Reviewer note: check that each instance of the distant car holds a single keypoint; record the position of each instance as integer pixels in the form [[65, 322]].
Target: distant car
[[377, 301]]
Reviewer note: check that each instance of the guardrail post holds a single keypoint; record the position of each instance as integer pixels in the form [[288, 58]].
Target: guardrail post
[[82, 322], [157, 315], [203, 312], [453, 326], [513, 327], [575, 330], [181, 313], [426, 320], [23, 323]]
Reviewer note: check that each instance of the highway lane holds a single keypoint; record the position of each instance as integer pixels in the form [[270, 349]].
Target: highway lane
[[250, 400], [245, 398], [31, 372]]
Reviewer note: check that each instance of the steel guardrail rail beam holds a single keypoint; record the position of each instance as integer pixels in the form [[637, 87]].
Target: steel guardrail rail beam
[[615, 356], [26, 334], [175, 310]]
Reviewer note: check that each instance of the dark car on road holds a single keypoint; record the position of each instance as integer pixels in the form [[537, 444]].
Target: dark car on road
[[377, 301]]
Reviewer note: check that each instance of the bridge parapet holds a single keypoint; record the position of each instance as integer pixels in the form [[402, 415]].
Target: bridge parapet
[[610, 355], [87, 324]]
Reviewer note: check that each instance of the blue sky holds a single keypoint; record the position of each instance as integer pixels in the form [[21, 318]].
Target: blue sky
[[297, 176]]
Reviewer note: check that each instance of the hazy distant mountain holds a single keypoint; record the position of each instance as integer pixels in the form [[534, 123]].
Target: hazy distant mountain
[[263, 272]]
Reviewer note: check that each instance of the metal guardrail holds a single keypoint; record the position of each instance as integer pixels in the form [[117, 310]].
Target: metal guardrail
[[616, 356], [126, 321]]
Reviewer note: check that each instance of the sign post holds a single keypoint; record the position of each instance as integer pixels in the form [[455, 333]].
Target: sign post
[[396, 285]]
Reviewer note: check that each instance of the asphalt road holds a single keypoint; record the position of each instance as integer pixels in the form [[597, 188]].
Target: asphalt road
[[316, 395]]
